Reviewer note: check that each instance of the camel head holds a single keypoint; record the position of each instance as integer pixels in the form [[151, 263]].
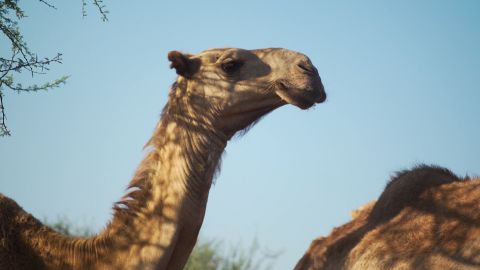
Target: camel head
[[240, 86]]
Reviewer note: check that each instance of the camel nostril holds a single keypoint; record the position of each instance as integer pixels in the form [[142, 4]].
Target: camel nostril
[[303, 67], [307, 68]]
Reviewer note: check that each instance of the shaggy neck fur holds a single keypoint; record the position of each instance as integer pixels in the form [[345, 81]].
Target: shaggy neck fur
[[156, 223]]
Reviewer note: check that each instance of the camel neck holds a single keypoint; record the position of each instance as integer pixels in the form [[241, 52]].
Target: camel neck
[[169, 191]]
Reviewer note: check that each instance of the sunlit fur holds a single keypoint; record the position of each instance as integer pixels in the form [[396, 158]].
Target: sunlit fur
[[427, 218], [156, 224]]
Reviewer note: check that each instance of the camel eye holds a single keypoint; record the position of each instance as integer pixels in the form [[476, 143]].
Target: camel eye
[[231, 66]]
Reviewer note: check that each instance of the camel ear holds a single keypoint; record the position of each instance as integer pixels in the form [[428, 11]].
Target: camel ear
[[183, 65]]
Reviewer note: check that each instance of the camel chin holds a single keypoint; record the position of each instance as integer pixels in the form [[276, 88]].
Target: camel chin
[[303, 99]]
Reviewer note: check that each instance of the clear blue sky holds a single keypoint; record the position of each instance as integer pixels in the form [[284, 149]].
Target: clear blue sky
[[403, 84]]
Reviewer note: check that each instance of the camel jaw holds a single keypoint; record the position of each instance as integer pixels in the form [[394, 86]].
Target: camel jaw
[[302, 98]]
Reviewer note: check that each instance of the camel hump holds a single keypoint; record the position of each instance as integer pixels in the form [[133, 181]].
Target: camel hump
[[7, 204], [405, 188], [9, 213]]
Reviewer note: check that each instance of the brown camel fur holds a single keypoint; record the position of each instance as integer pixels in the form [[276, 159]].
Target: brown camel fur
[[427, 218], [155, 225]]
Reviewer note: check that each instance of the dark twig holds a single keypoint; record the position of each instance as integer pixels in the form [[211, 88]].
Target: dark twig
[[101, 8], [3, 127], [48, 4]]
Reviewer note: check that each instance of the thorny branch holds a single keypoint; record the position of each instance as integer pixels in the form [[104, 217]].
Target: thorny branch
[[48, 4], [4, 130], [22, 59], [100, 6]]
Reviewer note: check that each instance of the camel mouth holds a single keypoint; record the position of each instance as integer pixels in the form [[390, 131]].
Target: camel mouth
[[303, 98]]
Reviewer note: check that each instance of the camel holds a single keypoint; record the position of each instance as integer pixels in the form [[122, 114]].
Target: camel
[[217, 93], [426, 218]]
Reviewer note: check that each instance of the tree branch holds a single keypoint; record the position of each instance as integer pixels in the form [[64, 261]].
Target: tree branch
[[100, 6], [48, 4], [22, 58], [3, 127], [33, 63], [34, 88]]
